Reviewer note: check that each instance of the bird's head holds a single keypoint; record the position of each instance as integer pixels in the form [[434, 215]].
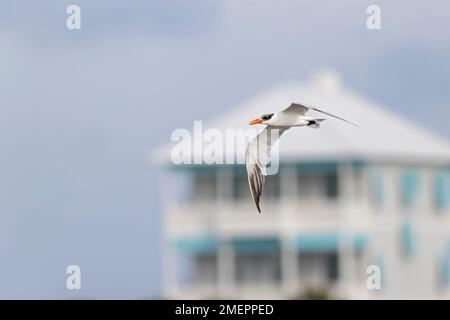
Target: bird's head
[[264, 119]]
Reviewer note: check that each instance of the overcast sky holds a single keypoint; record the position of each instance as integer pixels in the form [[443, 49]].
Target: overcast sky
[[80, 110]]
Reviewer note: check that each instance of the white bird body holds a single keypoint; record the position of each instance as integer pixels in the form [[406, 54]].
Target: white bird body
[[258, 150]]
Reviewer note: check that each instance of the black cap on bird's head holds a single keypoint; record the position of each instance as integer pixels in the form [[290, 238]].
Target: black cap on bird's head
[[262, 119]]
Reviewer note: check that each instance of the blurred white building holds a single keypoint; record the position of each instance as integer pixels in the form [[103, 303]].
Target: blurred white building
[[345, 198]]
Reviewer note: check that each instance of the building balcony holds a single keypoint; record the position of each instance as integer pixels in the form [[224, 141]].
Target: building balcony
[[241, 218], [274, 290]]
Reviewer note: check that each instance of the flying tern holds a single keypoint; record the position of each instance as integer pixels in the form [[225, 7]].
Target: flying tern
[[258, 150]]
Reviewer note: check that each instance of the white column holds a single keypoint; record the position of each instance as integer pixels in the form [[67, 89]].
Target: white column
[[426, 191], [346, 260], [346, 184], [393, 189], [288, 255], [289, 268], [288, 184], [345, 248], [366, 195], [225, 269]]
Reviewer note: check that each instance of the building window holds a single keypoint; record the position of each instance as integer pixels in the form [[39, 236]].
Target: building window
[[272, 187], [377, 188], [408, 238], [205, 186], [257, 260], [318, 269], [314, 185], [204, 270], [442, 189], [241, 189], [258, 268], [410, 184], [445, 269], [331, 185]]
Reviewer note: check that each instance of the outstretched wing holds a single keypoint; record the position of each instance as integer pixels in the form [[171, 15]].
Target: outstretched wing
[[257, 157], [301, 109], [296, 108]]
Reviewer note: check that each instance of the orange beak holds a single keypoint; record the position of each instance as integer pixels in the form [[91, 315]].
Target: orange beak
[[255, 121]]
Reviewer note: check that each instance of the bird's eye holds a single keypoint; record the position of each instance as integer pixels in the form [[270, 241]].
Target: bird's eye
[[267, 116]]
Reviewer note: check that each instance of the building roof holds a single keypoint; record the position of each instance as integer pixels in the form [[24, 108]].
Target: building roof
[[381, 135]]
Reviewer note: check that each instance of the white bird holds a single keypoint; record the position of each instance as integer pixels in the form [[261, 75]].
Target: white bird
[[258, 150]]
